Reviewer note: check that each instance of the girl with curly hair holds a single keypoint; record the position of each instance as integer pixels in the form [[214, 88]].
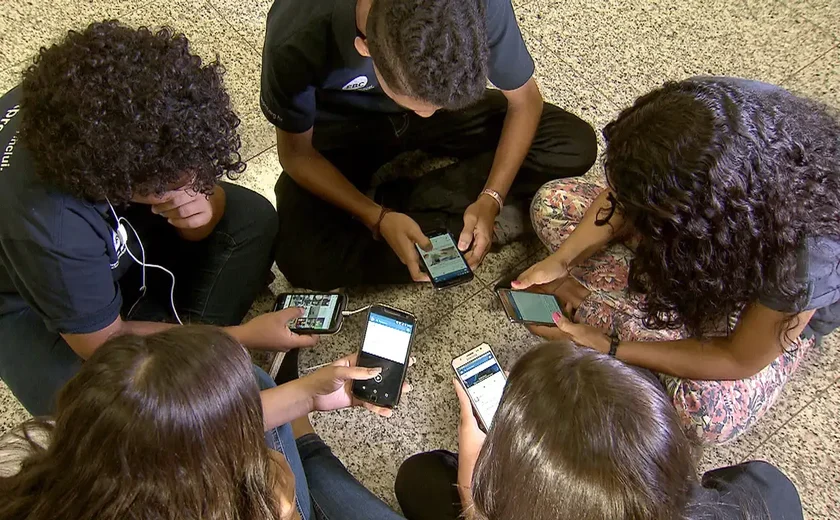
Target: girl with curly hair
[[712, 257]]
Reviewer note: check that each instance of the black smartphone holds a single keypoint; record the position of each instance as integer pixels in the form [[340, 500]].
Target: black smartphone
[[445, 263], [322, 312], [386, 343], [482, 377], [530, 307]]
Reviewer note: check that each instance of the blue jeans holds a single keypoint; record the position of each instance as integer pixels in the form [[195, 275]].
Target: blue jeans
[[324, 489], [217, 280]]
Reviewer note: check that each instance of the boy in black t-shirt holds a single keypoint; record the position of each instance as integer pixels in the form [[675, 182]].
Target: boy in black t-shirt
[[350, 84], [112, 149]]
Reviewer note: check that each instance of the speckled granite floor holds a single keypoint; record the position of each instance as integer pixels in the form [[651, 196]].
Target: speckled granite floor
[[593, 57]]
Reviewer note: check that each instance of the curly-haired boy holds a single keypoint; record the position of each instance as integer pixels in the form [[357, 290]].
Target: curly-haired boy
[[350, 84], [113, 148]]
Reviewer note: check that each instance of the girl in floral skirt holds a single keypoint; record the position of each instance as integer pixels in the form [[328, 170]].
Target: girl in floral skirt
[[712, 256]]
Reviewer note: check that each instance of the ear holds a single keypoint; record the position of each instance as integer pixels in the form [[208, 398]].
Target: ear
[[361, 47]]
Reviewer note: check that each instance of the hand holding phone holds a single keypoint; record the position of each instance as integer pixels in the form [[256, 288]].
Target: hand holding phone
[[386, 344], [403, 234], [444, 262], [479, 373], [530, 307], [330, 386], [322, 312]]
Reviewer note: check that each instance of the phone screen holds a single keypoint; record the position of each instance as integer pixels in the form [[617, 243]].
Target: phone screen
[[386, 345], [485, 382], [444, 262], [534, 306], [318, 310]]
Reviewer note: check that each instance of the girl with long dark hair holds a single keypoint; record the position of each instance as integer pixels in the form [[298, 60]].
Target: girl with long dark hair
[[712, 256], [170, 426], [581, 435]]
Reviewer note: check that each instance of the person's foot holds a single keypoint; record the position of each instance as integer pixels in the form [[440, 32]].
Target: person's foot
[[287, 369], [512, 224]]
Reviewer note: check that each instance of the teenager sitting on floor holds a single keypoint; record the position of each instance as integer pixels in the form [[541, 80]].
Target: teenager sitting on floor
[[170, 426], [581, 435], [350, 84], [713, 253], [114, 144]]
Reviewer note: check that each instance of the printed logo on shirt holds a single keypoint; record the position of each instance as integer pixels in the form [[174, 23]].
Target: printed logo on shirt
[[357, 83], [120, 238]]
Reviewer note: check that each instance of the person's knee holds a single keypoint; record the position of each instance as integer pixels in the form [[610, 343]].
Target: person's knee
[[423, 468], [246, 211], [576, 144]]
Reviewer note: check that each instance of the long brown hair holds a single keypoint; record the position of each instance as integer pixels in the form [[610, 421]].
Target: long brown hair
[[167, 426], [581, 435]]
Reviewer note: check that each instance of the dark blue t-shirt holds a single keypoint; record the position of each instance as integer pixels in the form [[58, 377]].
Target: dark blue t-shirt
[[59, 255], [312, 70]]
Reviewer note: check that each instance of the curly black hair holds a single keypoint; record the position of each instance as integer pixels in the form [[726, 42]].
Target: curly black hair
[[115, 112], [432, 50], [723, 184]]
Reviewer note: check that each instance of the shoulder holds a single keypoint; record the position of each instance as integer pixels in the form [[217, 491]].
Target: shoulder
[[298, 23], [31, 210], [754, 489], [820, 269]]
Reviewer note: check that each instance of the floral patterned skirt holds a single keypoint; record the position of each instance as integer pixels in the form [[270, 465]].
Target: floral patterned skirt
[[718, 411]]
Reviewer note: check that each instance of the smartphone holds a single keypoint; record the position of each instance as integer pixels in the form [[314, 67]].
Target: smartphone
[[482, 377], [530, 307], [445, 263], [322, 312], [386, 343]]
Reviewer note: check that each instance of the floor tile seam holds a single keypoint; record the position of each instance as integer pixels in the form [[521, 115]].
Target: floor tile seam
[[792, 75], [572, 66], [257, 154], [260, 154], [805, 14], [233, 27], [775, 432], [431, 326], [16, 64]]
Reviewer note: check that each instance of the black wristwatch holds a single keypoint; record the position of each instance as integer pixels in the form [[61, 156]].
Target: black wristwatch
[[614, 341]]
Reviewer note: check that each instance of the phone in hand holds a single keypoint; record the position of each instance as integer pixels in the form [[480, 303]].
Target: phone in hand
[[386, 343], [530, 307], [322, 312], [482, 377], [445, 263]]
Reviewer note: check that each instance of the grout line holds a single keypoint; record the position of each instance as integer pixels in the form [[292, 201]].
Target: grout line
[[252, 157], [818, 58], [233, 27], [818, 396], [569, 64]]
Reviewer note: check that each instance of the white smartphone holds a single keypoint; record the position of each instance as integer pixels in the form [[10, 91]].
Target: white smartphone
[[482, 377]]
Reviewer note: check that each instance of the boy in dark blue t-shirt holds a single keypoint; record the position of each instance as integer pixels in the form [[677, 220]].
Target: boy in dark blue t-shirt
[[112, 151], [350, 84]]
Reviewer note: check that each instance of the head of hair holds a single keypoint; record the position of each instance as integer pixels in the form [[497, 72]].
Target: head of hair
[[722, 184], [113, 112], [163, 426], [583, 436], [432, 50]]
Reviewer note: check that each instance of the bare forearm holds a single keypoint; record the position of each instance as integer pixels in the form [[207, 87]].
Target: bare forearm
[[285, 403], [316, 174], [518, 131], [690, 358]]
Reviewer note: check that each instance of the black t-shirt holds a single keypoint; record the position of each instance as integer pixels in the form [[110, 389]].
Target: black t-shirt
[[59, 255], [311, 69], [755, 490]]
